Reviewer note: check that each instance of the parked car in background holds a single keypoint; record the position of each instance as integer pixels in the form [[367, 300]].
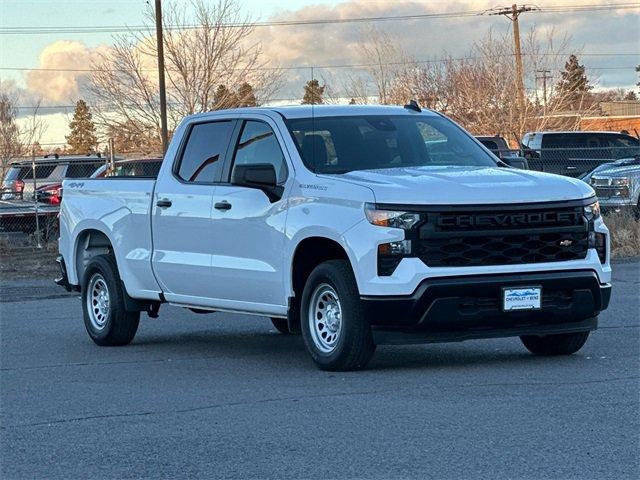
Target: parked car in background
[[617, 184], [19, 182], [140, 167], [500, 148], [576, 153]]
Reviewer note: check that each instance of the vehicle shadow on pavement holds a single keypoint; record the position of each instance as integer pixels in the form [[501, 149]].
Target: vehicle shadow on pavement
[[275, 349]]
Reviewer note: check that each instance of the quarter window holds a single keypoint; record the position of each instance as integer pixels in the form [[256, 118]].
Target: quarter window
[[82, 170], [258, 144], [202, 157]]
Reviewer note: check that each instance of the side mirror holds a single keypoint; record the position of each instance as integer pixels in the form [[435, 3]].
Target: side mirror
[[529, 153], [517, 162], [261, 176]]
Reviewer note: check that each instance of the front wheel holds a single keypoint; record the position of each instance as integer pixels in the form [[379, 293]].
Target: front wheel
[[334, 328], [107, 321], [561, 344]]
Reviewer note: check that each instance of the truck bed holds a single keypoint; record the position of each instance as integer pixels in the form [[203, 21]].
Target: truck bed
[[120, 208]]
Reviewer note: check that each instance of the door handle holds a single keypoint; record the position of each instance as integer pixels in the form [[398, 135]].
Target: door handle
[[224, 205], [164, 203], [572, 168]]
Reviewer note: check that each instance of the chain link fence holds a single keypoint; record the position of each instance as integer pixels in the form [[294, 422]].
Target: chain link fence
[[32, 190], [31, 193]]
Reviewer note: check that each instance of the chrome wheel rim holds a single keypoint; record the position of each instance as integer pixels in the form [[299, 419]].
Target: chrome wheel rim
[[98, 301], [325, 318]]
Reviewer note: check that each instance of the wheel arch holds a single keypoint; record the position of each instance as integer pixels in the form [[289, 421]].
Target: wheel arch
[[308, 254], [89, 243]]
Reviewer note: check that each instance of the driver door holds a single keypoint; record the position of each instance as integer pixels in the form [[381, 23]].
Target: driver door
[[248, 229]]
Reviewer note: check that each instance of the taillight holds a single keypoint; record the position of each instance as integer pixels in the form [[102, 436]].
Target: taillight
[[56, 198]]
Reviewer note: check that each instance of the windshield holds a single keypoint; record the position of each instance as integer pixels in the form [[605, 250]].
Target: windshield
[[343, 144]]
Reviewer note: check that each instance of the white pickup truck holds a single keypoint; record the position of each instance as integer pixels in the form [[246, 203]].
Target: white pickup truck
[[356, 225]]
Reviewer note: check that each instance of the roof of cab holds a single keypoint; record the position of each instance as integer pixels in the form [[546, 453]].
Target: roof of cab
[[305, 111]]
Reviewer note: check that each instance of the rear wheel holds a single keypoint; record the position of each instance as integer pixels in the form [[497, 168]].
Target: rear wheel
[[561, 344], [334, 328], [105, 317]]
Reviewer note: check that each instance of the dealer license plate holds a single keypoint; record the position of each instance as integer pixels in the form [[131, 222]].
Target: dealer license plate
[[525, 298]]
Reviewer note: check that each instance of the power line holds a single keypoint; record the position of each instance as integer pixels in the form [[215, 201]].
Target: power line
[[284, 23], [337, 66], [513, 14]]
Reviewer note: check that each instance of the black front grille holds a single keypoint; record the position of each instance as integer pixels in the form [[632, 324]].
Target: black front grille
[[502, 236]]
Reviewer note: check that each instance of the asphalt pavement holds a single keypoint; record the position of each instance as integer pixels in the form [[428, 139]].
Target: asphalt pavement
[[226, 396]]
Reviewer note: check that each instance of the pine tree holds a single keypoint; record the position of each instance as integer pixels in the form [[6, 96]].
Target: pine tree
[[224, 98], [10, 145], [82, 138], [313, 92], [574, 84], [246, 96]]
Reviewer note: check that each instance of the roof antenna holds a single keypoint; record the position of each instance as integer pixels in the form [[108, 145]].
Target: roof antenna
[[413, 105]]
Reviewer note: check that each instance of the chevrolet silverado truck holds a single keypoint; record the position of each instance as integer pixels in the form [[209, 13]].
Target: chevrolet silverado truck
[[354, 225], [617, 185]]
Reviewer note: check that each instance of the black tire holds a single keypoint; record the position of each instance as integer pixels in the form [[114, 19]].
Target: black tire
[[281, 324], [354, 345], [561, 344], [118, 326]]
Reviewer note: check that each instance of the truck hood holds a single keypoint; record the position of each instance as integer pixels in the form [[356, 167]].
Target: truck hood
[[630, 171], [451, 185]]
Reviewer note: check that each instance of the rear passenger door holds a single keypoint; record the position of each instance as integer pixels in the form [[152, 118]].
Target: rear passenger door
[[182, 229], [248, 227]]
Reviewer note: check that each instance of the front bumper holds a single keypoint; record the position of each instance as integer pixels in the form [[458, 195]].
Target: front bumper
[[460, 308]]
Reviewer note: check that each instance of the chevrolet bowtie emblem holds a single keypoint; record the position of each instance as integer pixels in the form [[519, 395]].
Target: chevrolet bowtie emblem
[[565, 243]]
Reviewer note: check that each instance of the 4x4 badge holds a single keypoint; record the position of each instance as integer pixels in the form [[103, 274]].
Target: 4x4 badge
[[565, 243]]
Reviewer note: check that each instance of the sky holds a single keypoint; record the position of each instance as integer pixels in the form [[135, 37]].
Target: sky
[[608, 39]]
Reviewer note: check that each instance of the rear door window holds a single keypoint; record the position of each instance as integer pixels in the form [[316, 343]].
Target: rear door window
[[564, 140], [42, 171], [82, 170], [203, 156]]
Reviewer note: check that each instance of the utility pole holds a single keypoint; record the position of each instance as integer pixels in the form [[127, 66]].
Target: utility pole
[[512, 13], [112, 154], [544, 75], [161, 84]]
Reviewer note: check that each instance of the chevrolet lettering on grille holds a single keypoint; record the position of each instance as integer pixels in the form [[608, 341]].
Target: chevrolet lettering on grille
[[508, 220]]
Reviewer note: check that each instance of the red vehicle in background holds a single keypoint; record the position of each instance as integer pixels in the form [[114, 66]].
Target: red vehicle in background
[[51, 194]]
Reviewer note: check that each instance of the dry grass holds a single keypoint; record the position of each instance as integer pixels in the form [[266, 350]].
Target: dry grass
[[625, 234], [23, 260]]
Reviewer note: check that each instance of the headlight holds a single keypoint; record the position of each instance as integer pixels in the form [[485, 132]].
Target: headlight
[[592, 211], [390, 218], [620, 182]]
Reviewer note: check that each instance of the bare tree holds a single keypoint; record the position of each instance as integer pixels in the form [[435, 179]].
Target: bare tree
[[10, 145], [477, 91], [386, 64], [17, 138], [203, 50]]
